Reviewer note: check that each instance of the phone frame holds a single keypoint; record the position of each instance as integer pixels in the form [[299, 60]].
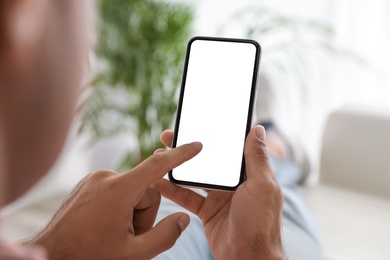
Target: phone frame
[[255, 82]]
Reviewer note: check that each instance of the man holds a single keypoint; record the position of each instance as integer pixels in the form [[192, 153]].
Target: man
[[43, 46]]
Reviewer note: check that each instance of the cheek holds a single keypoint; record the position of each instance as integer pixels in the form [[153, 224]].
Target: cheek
[[37, 117], [62, 65], [38, 96]]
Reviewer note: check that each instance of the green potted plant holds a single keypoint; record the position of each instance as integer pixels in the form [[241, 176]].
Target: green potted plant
[[140, 51]]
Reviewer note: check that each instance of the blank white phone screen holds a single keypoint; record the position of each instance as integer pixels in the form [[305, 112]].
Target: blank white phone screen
[[215, 110]]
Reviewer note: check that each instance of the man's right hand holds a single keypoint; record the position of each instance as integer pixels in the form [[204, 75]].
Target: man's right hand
[[111, 215]]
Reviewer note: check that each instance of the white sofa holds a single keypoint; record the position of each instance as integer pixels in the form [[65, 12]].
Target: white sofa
[[352, 200]]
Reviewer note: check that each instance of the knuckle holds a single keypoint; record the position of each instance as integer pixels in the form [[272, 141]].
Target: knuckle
[[102, 174], [85, 179], [268, 187], [161, 161], [275, 191], [186, 199], [271, 186], [259, 151], [157, 158], [99, 178], [159, 150]]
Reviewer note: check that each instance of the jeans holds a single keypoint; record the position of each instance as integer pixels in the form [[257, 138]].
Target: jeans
[[299, 233]]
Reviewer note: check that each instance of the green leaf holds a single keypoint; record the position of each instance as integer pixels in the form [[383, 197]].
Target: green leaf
[[143, 43]]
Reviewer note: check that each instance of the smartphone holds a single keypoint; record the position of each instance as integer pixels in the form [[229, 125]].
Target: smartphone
[[215, 108]]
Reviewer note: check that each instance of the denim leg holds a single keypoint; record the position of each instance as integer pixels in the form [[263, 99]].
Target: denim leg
[[299, 232]]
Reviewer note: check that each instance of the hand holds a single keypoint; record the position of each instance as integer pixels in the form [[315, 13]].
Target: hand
[[245, 224], [110, 216]]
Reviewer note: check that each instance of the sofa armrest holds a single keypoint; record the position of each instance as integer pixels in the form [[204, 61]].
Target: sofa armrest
[[356, 150]]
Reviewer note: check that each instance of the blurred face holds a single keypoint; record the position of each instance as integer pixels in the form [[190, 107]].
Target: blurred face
[[43, 52]]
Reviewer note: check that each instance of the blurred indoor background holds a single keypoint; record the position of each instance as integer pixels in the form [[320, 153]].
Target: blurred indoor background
[[330, 61]]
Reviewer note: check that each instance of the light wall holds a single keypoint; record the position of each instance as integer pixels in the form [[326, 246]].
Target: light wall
[[361, 28]]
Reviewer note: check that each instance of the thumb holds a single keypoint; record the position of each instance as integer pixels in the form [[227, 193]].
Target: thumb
[[256, 156], [163, 236]]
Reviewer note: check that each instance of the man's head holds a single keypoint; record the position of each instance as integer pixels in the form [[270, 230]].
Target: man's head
[[43, 52]]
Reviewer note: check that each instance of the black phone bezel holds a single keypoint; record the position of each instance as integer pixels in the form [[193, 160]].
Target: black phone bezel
[[250, 109]]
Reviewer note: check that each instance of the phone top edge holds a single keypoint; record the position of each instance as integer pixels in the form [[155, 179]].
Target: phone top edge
[[226, 39]]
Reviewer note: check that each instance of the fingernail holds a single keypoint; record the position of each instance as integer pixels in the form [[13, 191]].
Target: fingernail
[[260, 132], [183, 222], [197, 144]]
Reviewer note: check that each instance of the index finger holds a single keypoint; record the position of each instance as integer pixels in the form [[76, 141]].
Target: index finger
[[157, 165]]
